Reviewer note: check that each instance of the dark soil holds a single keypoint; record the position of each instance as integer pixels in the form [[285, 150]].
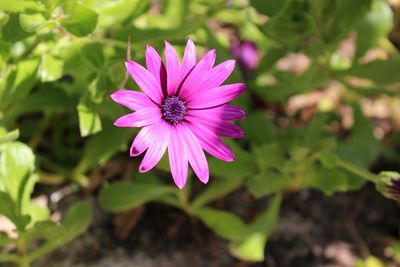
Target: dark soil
[[314, 231]]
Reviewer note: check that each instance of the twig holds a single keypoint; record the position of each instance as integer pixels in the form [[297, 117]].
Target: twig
[[128, 57]]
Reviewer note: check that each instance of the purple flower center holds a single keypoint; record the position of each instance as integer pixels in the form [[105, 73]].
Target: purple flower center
[[173, 110]]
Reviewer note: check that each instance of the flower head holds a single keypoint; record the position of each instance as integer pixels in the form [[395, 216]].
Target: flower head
[[183, 108], [389, 185], [246, 54]]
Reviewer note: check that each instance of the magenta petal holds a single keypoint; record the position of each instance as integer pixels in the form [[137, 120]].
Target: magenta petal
[[145, 81], [198, 75], [157, 148], [140, 118], [224, 112], [218, 75], [218, 126], [189, 59], [155, 65], [217, 96], [173, 69], [142, 140], [132, 99], [178, 158], [197, 158], [211, 143]]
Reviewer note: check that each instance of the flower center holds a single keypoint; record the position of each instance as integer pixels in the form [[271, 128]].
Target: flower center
[[173, 109]]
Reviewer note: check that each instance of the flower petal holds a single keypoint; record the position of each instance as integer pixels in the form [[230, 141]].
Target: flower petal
[[197, 158], [217, 96], [145, 81], [178, 158], [211, 143], [224, 112], [132, 99], [198, 75], [156, 66], [218, 126], [173, 69], [142, 140], [189, 59], [157, 148], [218, 75], [140, 118]]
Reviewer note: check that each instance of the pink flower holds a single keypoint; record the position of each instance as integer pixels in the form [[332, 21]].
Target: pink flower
[[246, 54], [184, 108]]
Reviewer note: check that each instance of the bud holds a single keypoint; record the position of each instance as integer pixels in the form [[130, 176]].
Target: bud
[[246, 54], [388, 185]]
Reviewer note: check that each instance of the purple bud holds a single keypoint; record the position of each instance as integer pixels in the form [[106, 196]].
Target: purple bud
[[246, 54]]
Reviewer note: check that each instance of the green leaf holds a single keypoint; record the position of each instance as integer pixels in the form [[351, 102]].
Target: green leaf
[[6, 137], [268, 7], [80, 20], [218, 188], [93, 54], [292, 24], [244, 165], [379, 71], [102, 145], [270, 156], [76, 221], [370, 261], [259, 128], [45, 99], [252, 247], [376, 25], [12, 30], [44, 230], [328, 160], [17, 163], [89, 119], [20, 6], [5, 53], [223, 223], [122, 196], [51, 68], [267, 182], [10, 209], [116, 12], [19, 82], [32, 22]]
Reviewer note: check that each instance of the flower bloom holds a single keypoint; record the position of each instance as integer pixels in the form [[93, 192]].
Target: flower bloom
[[388, 184], [184, 108], [246, 54]]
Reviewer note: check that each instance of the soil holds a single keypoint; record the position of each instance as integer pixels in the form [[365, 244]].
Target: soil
[[314, 231]]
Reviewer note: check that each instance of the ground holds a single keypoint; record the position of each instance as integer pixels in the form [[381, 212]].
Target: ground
[[314, 231]]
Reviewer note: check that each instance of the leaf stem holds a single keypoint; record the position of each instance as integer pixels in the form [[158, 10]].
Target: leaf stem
[[358, 171]]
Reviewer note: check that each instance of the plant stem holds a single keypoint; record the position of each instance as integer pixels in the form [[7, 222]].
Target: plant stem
[[358, 171], [23, 260]]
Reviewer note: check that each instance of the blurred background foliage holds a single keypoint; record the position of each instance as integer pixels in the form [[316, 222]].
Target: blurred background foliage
[[322, 107]]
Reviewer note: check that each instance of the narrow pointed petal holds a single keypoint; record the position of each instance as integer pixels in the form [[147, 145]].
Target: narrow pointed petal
[[224, 112], [140, 118], [197, 158], [142, 140], [218, 126], [211, 143], [198, 75], [178, 158], [156, 66], [157, 148], [173, 69], [217, 96], [145, 81], [189, 59], [218, 75], [132, 99]]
